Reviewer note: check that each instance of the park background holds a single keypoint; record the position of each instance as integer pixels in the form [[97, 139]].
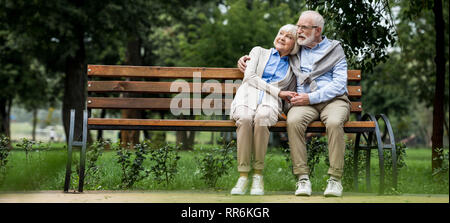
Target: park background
[[400, 46]]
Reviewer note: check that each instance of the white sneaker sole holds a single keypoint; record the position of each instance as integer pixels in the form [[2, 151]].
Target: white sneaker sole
[[256, 192], [302, 194], [238, 193], [332, 195]]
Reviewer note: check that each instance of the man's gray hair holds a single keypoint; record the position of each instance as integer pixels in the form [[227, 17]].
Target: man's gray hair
[[292, 29], [317, 17]]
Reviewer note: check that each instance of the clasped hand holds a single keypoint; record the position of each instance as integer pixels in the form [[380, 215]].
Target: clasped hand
[[294, 97]]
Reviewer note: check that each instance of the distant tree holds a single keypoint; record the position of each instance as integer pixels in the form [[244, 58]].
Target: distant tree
[[434, 76]]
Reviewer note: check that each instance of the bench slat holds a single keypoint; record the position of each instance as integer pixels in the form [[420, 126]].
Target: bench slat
[[210, 125], [177, 72], [164, 103], [165, 87], [219, 123], [163, 72]]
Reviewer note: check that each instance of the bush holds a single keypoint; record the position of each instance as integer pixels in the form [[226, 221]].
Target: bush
[[132, 163], [440, 175], [217, 162], [91, 177], [165, 159], [4, 153]]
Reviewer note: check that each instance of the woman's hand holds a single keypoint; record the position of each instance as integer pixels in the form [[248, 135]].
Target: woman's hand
[[242, 63], [287, 95]]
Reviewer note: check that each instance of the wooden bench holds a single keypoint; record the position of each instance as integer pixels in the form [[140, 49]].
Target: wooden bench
[[218, 85]]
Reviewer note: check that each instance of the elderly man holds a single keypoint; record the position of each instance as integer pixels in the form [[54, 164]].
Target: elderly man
[[321, 72]]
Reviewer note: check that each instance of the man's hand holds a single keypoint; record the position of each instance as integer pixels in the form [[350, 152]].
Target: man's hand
[[301, 99], [242, 63], [287, 95]]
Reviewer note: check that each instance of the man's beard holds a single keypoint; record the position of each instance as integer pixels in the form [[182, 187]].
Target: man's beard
[[306, 41]]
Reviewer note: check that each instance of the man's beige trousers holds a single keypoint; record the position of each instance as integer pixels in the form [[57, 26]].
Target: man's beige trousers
[[333, 114]]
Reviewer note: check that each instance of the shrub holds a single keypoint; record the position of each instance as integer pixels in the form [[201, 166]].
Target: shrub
[[4, 153], [132, 163], [27, 146], [217, 162], [93, 153], [165, 160], [388, 167]]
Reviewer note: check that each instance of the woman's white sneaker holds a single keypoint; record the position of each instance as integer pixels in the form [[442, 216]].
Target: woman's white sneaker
[[241, 186], [257, 185], [334, 188], [303, 187]]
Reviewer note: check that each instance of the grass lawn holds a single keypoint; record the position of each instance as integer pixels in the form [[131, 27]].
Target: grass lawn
[[45, 170]]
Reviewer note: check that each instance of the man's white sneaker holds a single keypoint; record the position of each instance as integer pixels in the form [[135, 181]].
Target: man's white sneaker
[[334, 188], [303, 187], [241, 186], [257, 185]]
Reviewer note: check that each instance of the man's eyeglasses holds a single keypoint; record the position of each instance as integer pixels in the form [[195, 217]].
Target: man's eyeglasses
[[306, 27]]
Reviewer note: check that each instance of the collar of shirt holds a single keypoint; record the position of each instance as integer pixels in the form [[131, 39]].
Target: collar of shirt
[[276, 53]]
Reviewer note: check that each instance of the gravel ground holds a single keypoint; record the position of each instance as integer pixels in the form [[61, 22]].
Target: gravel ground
[[207, 197]]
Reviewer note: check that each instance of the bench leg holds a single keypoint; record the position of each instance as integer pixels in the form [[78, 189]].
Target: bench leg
[[69, 151], [392, 147], [83, 153], [380, 158], [355, 160], [368, 157]]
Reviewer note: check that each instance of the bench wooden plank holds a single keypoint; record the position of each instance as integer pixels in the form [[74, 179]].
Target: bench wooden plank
[[164, 103], [177, 72], [207, 123], [210, 125], [156, 87], [162, 72], [165, 87]]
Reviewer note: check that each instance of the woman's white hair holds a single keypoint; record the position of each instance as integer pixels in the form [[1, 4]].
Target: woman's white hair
[[292, 29], [317, 17]]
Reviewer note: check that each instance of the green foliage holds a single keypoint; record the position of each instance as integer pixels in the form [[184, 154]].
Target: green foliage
[[441, 172], [218, 41], [132, 163], [364, 27], [4, 153], [165, 160], [27, 146], [316, 148], [93, 153], [388, 167], [216, 163], [403, 87], [349, 166]]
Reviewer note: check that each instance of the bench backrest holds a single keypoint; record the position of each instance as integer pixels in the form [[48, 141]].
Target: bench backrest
[[156, 90]]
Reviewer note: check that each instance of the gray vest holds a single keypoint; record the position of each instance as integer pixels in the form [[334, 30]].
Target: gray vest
[[331, 57]]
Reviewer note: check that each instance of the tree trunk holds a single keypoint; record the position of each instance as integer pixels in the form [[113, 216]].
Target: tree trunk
[[5, 113], [186, 138], [75, 87], [133, 58], [33, 132], [438, 103]]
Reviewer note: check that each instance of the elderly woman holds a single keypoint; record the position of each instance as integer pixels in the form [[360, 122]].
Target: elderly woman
[[257, 104]]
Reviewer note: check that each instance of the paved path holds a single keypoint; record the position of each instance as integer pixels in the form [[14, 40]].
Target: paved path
[[207, 197]]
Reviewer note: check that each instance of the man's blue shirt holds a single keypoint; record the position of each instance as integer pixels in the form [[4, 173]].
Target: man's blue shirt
[[329, 85]]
